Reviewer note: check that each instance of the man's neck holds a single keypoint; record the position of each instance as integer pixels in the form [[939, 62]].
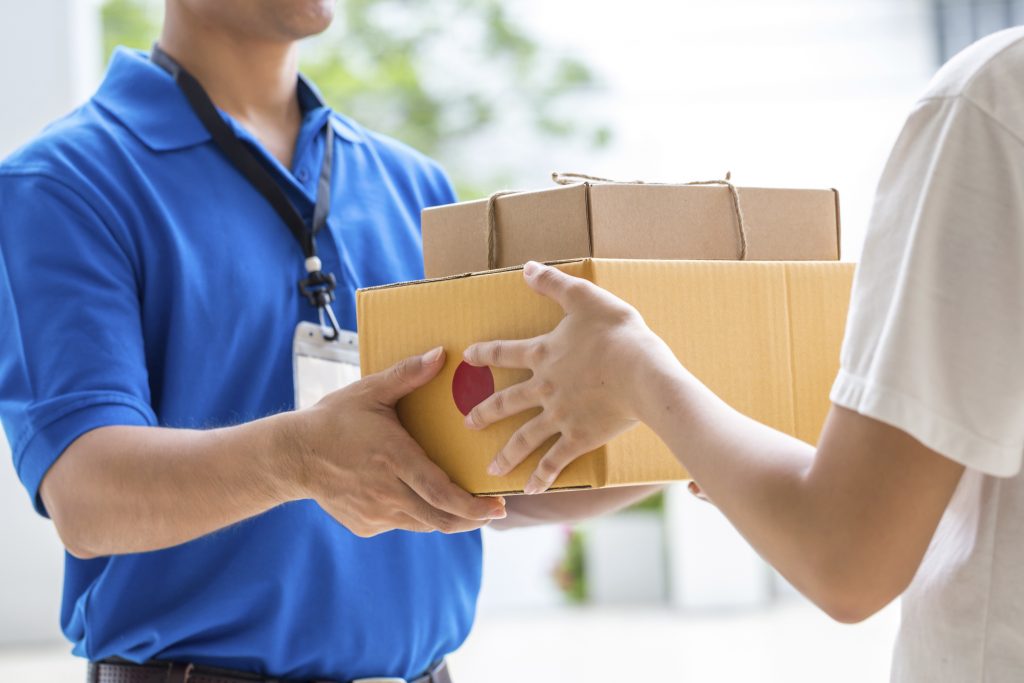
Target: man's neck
[[254, 81]]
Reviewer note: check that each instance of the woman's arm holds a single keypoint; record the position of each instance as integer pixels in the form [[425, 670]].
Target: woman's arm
[[848, 525]]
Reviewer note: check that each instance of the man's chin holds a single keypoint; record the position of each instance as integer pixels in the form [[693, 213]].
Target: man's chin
[[303, 18]]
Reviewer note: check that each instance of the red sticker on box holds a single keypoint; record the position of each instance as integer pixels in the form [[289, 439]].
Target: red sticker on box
[[471, 385]]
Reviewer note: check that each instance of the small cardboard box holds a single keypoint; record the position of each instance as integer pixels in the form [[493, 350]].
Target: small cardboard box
[[631, 221], [764, 336]]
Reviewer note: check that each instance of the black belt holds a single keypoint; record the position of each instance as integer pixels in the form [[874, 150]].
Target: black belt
[[176, 672]]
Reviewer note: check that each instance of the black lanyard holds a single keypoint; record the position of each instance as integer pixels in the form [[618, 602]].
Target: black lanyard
[[318, 287]]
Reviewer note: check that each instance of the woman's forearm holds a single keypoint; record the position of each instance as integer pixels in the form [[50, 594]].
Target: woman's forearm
[[755, 475], [843, 533]]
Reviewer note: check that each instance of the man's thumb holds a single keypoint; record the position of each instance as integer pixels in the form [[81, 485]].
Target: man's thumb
[[409, 374]]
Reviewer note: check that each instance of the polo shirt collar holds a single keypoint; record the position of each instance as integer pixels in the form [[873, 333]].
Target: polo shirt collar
[[149, 103]]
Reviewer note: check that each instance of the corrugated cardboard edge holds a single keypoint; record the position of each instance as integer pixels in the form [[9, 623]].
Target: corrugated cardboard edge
[[474, 273]]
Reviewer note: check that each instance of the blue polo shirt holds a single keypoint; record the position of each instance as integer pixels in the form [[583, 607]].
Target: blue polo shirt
[[143, 281]]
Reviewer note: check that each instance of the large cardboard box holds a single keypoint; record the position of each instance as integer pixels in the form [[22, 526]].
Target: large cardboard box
[[765, 336], [631, 221]]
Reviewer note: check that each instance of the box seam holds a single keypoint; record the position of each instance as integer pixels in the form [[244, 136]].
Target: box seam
[[839, 228], [590, 222]]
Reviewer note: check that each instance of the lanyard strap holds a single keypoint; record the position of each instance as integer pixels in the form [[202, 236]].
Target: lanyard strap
[[318, 287]]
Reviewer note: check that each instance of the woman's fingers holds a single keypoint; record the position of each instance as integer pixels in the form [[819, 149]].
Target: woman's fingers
[[512, 353], [551, 465], [505, 403], [525, 441], [567, 291]]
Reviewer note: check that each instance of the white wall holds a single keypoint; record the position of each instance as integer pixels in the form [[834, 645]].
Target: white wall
[[49, 62], [51, 54], [791, 93]]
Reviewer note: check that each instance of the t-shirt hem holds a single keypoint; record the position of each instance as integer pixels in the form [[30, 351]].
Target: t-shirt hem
[[936, 432], [34, 458]]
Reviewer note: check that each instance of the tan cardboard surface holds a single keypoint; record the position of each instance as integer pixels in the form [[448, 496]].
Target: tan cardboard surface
[[632, 221], [765, 336]]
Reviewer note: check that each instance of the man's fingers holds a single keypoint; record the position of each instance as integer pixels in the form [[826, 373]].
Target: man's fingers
[[551, 465], [505, 403], [407, 522], [525, 441], [407, 375], [514, 353], [428, 518], [567, 291], [432, 485], [694, 488]]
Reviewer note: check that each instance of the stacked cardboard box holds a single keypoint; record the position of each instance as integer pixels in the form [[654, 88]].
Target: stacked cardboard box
[[764, 333]]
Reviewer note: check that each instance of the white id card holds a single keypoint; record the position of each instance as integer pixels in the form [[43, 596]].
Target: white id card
[[320, 366]]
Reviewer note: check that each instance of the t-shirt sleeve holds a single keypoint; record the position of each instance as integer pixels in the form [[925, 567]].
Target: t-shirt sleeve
[[71, 350], [935, 338]]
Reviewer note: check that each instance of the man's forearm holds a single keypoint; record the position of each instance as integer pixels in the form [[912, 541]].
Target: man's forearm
[[133, 489], [569, 506]]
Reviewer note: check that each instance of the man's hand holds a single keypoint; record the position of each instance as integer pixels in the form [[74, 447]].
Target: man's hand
[[358, 462], [587, 376]]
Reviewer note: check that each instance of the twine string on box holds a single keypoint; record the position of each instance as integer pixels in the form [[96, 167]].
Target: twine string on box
[[492, 227], [566, 178]]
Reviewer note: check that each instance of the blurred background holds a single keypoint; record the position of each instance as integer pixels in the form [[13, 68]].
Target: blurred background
[[793, 93]]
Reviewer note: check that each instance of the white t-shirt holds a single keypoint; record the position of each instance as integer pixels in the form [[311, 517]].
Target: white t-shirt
[[935, 347]]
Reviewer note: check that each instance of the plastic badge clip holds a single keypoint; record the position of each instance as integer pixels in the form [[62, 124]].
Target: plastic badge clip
[[332, 331], [318, 288]]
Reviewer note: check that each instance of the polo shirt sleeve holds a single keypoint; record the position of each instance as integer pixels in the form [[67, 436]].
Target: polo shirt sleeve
[[935, 338], [441, 189], [71, 346]]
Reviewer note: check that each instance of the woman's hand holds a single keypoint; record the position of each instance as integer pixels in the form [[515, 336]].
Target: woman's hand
[[588, 377]]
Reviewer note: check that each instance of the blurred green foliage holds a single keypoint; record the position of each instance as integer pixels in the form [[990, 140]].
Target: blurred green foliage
[[447, 77], [571, 572], [655, 503], [132, 23]]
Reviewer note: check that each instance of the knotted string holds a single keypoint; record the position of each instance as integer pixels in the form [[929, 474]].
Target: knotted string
[[574, 178]]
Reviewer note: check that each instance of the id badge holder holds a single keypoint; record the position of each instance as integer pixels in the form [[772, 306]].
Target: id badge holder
[[320, 366]]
